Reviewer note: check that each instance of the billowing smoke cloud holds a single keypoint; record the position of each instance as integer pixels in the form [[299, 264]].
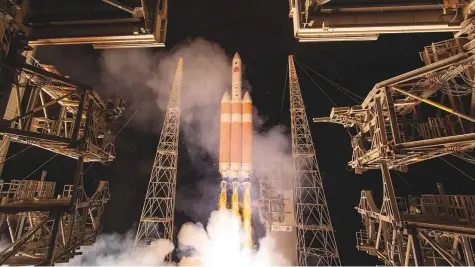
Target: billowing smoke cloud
[[217, 245], [138, 74], [115, 249]]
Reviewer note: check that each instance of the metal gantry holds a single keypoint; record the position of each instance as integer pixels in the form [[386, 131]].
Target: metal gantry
[[398, 124], [329, 20], [31, 230], [52, 112], [45, 109], [316, 243], [157, 217]]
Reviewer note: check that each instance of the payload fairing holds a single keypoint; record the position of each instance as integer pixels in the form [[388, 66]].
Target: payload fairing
[[235, 150]]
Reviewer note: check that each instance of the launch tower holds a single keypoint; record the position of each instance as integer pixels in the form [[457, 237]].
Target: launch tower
[[158, 210], [316, 244]]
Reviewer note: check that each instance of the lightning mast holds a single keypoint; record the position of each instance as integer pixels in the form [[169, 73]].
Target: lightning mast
[[316, 245], [157, 217]]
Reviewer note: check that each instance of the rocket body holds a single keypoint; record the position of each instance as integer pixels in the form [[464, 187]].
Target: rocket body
[[235, 146], [235, 150]]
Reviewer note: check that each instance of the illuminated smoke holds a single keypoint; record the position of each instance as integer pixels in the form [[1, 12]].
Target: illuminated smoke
[[217, 245]]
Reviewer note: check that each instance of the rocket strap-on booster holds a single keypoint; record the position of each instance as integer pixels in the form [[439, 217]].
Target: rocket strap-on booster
[[235, 150]]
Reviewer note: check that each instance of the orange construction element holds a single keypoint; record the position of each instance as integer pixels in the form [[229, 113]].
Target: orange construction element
[[246, 136], [236, 138], [225, 136]]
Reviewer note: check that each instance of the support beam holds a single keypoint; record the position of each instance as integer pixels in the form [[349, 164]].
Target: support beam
[[410, 240], [447, 256], [467, 251], [389, 192], [56, 216], [392, 116], [434, 104], [119, 5], [19, 242], [416, 247], [49, 75], [36, 109]]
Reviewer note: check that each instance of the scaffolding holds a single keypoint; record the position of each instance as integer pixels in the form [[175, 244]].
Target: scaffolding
[[399, 123], [31, 231], [55, 113]]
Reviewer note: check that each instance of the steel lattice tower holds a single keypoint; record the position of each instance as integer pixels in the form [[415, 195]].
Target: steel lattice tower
[[157, 217], [316, 245]]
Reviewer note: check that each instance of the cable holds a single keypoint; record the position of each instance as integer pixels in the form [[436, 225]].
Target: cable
[[14, 155], [328, 97], [283, 93], [464, 156], [337, 86], [402, 178], [473, 179], [88, 168], [133, 115], [318, 86], [46, 162]]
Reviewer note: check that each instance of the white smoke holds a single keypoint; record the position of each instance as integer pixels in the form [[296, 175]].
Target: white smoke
[[115, 249], [133, 74], [217, 245]]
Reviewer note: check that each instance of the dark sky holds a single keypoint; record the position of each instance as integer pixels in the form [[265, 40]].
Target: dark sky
[[262, 33]]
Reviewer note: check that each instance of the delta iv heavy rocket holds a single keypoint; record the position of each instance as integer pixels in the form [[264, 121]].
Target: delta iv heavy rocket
[[235, 150]]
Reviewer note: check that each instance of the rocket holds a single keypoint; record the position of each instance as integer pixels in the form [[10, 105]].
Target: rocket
[[235, 148]]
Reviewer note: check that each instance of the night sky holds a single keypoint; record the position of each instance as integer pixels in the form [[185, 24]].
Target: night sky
[[262, 33]]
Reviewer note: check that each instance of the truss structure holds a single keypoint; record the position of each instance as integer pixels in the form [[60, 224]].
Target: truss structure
[[399, 124], [330, 20], [316, 243], [75, 122], [37, 234], [59, 112], [157, 217], [434, 230]]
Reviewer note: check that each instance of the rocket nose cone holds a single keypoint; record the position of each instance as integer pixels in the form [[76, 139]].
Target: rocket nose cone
[[236, 56], [247, 96], [226, 97]]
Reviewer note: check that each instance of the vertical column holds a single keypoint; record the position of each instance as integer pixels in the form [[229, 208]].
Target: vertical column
[[225, 136], [246, 136], [224, 147], [236, 118]]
